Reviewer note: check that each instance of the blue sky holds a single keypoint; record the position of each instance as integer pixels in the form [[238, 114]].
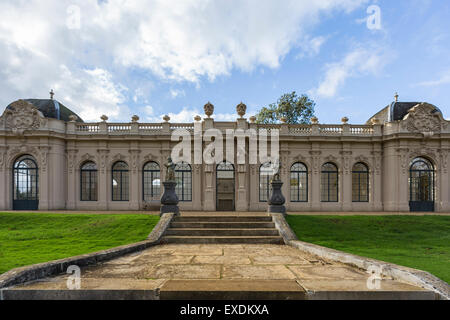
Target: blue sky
[[152, 58]]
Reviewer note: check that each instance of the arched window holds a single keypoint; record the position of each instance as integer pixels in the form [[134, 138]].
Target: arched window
[[183, 176], [151, 181], [88, 182], [360, 183], [421, 185], [265, 174], [26, 186], [329, 183], [299, 182], [120, 181]]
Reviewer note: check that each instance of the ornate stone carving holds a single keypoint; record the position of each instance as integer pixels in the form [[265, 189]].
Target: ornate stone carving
[[71, 159], [103, 158], [443, 154], [424, 119], [377, 158], [3, 151], [44, 151], [346, 157], [403, 155], [23, 116], [134, 159], [315, 156]]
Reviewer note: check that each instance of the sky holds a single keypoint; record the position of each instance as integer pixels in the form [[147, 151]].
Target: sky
[[152, 58]]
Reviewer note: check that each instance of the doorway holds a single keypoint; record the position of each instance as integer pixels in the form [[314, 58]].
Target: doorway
[[225, 187]]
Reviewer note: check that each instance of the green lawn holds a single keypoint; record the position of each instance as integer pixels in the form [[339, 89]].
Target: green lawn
[[29, 238], [421, 242]]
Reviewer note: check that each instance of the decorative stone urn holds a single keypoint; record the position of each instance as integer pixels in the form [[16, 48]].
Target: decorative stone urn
[[104, 118], [276, 199], [73, 118], [314, 120], [241, 109], [197, 118], [209, 109], [166, 118], [344, 120], [283, 119], [135, 118], [169, 199], [252, 119]]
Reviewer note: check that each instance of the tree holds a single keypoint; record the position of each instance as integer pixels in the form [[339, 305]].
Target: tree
[[296, 109]]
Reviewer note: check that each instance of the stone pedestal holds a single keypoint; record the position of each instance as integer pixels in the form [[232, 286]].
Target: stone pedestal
[[276, 199], [169, 199]]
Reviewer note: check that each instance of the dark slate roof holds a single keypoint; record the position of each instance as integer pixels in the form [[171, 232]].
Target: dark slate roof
[[395, 111], [52, 109]]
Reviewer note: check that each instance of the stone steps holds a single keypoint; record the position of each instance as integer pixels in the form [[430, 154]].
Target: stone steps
[[221, 232], [222, 239], [222, 229]]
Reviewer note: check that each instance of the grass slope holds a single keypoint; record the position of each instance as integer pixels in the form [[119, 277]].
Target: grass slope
[[421, 242], [29, 238]]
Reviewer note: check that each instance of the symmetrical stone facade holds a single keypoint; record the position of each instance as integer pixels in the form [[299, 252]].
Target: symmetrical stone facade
[[387, 149]]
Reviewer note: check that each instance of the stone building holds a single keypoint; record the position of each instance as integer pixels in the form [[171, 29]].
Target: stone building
[[50, 159]]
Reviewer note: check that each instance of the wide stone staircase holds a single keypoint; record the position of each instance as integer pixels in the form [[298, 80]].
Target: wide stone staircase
[[222, 229]]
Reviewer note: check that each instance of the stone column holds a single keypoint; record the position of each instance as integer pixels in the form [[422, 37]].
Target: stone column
[[346, 191], [4, 194], [72, 179], [376, 195], [44, 187], [209, 203], [135, 195], [103, 194], [315, 179], [403, 186], [241, 201], [445, 181]]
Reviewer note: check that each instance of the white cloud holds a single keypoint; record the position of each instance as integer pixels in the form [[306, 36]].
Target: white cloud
[[444, 79], [189, 41], [311, 46], [174, 93], [358, 62]]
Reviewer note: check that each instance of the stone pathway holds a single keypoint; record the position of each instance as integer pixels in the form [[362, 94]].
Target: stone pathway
[[199, 268]]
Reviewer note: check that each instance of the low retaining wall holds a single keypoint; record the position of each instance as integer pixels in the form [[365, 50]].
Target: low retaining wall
[[412, 276], [43, 270]]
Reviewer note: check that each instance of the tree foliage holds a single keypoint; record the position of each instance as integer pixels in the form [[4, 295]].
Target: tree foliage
[[296, 109]]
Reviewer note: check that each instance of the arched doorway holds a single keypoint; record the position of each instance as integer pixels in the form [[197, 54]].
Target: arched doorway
[[225, 187], [25, 184], [421, 185]]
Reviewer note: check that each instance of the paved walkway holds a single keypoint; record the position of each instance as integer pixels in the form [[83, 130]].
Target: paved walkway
[[176, 267]]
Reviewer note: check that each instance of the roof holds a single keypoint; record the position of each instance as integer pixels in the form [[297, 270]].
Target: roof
[[52, 109], [395, 111]]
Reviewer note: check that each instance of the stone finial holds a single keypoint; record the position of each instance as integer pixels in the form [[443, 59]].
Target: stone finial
[[51, 94], [134, 118], [73, 118], [252, 119], [197, 118], [241, 108], [104, 118], [209, 109], [283, 119], [166, 118], [314, 120], [344, 120], [396, 97]]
